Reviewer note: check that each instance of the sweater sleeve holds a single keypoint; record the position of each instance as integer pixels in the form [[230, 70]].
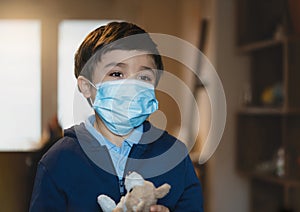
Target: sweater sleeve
[[46, 195], [192, 198]]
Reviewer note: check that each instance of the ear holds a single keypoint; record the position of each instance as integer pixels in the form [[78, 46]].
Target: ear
[[84, 86], [162, 191]]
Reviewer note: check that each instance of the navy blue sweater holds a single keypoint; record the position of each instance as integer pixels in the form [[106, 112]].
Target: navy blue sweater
[[77, 169]]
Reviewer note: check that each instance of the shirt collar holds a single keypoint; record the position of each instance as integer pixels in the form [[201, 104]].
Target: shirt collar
[[133, 138]]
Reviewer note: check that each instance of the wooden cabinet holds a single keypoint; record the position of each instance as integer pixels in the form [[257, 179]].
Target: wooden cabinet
[[17, 172], [268, 130]]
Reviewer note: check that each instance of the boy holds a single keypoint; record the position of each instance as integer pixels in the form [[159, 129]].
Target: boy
[[117, 67]]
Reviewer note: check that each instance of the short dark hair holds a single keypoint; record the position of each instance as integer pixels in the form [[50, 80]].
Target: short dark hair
[[109, 37]]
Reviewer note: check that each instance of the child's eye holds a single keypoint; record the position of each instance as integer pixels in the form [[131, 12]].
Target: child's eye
[[146, 75], [116, 74], [145, 78]]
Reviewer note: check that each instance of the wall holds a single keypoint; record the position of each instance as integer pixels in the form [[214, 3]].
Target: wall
[[227, 190]]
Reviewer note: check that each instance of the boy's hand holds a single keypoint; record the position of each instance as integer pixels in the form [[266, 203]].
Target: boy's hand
[[158, 208]]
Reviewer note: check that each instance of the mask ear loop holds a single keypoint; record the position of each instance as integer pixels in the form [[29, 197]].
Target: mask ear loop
[[89, 99], [93, 85]]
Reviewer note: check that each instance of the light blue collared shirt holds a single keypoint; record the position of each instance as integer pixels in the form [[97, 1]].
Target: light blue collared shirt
[[119, 155]]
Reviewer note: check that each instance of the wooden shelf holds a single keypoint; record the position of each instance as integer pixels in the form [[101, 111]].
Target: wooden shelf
[[258, 45], [277, 180], [252, 110], [261, 111], [272, 178], [262, 130], [254, 46]]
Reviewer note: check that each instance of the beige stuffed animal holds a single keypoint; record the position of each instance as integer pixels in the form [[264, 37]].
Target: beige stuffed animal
[[140, 197]]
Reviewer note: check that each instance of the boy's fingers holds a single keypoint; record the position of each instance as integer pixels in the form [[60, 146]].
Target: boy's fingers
[[159, 208]]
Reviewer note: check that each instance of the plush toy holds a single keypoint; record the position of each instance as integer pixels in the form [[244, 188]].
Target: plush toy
[[140, 197]]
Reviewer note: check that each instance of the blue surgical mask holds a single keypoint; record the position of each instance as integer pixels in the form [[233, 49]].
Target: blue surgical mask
[[124, 104]]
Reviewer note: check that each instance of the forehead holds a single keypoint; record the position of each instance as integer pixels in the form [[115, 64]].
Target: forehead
[[127, 56]]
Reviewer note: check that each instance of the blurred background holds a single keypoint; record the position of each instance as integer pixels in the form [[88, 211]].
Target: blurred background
[[254, 46]]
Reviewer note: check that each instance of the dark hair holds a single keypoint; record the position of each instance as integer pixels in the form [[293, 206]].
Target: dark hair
[[110, 37]]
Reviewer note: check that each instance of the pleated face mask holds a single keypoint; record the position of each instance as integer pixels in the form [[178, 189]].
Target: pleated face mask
[[124, 104]]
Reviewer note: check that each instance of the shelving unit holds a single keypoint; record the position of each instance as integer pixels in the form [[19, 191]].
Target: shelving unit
[[269, 122]]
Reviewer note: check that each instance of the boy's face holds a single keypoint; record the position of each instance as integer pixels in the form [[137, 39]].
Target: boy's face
[[120, 64], [124, 64]]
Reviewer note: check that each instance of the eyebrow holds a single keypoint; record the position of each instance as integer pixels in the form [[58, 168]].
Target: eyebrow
[[114, 64], [149, 69]]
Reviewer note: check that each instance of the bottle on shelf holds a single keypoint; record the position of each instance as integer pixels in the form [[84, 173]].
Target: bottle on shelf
[[280, 162]]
